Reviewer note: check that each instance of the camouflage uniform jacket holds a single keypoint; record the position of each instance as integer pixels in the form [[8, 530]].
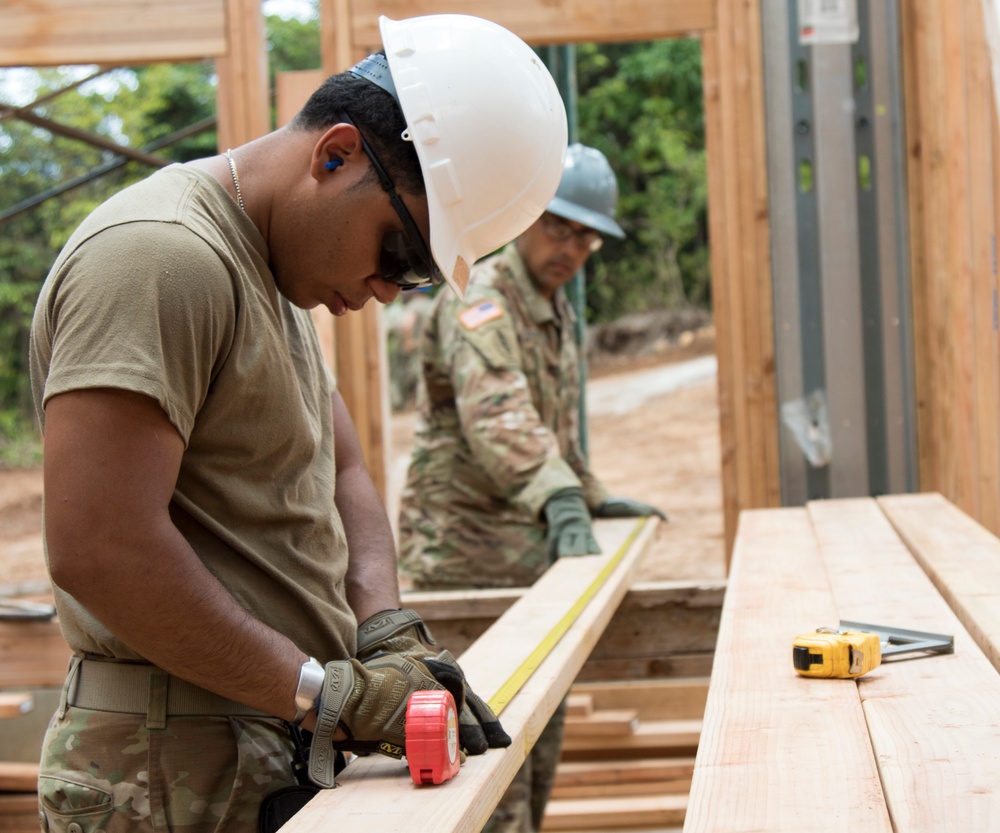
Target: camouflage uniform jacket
[[498, 432]]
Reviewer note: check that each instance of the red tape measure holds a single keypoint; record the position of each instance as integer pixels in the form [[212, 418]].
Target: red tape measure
[[432, 737]]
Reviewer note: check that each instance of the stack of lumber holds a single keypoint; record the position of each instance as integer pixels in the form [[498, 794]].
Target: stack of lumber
[[628, 755], [33, 658]]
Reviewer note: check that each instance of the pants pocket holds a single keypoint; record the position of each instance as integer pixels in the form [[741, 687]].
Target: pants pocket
[[71, 804]]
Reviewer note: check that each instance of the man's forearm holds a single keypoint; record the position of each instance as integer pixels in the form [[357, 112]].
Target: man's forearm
[[372, 583]]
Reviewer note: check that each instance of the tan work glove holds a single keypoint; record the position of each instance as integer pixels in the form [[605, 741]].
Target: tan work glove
[[403, 632], [368, 701]]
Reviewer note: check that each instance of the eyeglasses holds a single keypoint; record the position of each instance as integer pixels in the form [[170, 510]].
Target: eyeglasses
[[558, 229], [405, 259]]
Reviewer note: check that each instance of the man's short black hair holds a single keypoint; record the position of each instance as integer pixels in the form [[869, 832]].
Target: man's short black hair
[[377, 116]]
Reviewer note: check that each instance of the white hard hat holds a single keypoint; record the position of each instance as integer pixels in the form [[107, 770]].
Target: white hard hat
[[489, 128]]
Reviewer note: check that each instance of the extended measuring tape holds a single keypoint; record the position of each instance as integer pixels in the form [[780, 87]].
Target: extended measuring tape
[[432, 751]]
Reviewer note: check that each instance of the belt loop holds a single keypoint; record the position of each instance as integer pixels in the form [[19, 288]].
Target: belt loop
[[69, 687], [156, 711]]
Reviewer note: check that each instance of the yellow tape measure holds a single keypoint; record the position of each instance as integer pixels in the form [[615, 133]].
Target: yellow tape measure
[[513, 685]]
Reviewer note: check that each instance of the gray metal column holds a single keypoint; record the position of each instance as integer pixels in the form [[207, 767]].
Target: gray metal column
[[837, 197]]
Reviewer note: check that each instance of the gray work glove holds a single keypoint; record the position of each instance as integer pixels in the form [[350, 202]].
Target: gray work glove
[[403, 632], [625, 507], [570, 531], [368, 701]]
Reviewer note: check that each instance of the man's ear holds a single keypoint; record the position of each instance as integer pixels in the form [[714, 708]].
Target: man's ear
[[339, 146]]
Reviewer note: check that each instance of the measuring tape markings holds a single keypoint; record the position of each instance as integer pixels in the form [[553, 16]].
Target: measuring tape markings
[[506, 692]]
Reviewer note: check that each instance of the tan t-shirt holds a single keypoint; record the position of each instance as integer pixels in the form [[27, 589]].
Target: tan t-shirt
[[165, 290]]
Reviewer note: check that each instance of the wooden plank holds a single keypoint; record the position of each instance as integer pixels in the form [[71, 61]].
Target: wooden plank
[[32, 654], [15, 704], [963, 463], [641, 776], [377, 792], [566, 21], [960, 557], [601, 723], [19, 813], [243, 93], [770, 737], [579, 705], [982, 115], [933, 721], [18, 777], [630, 811], [53, 32], [655, 622], [913, 29], [676, 665], [650, 737], [653, 699]]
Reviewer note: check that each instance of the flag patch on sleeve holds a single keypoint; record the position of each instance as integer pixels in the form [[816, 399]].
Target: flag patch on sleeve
[[480, 314]]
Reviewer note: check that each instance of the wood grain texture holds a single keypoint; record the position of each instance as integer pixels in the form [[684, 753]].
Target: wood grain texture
[[53, 32], [961, 558], [376, 793], [18, 777], [933, 722], [554, 21], [780, 752]]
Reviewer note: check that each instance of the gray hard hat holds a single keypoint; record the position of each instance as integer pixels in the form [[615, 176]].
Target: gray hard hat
[[588, 191]]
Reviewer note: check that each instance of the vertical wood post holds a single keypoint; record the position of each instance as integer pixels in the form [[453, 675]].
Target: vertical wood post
[[242, 95]]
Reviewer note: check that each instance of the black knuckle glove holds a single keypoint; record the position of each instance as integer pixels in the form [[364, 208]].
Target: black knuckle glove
[[624, 507], [368, 701], [479, 728], [569, 531]]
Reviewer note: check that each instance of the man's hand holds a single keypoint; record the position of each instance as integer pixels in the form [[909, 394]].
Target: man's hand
[[368, 701], [625, 507], [569, 527], [403, 632]]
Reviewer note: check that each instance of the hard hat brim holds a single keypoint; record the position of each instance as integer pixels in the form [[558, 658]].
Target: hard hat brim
[[578, 214]]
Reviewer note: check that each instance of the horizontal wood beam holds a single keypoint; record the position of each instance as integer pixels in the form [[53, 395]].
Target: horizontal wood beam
[[54, 32], [562, 21]]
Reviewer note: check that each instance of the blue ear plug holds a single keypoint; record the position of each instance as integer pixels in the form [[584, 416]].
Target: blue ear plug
[[334, 163]]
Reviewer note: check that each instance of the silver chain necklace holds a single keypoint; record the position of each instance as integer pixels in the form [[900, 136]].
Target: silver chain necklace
[[236, 179]]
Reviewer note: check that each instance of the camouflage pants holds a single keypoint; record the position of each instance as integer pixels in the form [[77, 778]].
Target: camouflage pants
[[523, 805], [107, 772]]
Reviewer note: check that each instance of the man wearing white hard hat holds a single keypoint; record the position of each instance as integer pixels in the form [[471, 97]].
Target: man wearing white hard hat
[[498, 486], [223, 568]]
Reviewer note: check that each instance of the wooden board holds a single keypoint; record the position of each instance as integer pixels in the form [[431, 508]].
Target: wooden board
[[18, 777], [376, 793], [655, 623], [32, 654], [959, 556], [649, 737], [653, 699], [772, 738], [934, 721], [603, 722], [580, 779], [15, 704], [631, 811], [53, 32], [567, 21]]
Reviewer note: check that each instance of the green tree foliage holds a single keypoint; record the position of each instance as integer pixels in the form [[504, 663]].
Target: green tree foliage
[[641, 104], [139, 107]]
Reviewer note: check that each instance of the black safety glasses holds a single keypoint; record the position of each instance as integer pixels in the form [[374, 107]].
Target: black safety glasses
[[405, 259]]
